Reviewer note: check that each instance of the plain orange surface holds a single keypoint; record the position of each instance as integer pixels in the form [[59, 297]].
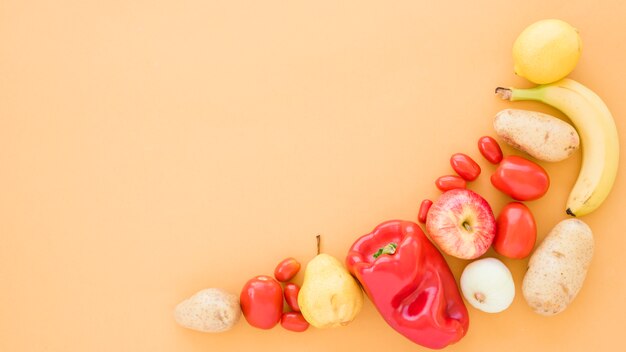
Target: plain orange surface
[[149, 149]]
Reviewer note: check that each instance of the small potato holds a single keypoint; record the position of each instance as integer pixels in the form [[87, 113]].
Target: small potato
[[557, 268], [209, 310], [542, 136]]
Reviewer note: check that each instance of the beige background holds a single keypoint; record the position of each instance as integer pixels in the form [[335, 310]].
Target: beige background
[[149, 149]]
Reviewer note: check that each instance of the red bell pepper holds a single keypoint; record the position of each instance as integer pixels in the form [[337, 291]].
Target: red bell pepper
[[410, 284]]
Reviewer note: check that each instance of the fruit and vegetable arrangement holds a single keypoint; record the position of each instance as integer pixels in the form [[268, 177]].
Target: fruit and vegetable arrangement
[[399, 266]]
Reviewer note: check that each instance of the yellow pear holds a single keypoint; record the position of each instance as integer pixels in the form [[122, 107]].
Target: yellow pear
[[329, 295]]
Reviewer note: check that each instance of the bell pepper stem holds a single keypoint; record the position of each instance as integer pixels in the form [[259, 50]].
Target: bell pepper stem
[[388, 249]]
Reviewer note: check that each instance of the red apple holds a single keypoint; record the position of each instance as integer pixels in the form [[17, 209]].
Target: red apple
[[461, 223]]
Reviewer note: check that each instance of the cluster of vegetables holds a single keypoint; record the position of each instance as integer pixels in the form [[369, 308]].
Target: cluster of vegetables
[[402, 272], [462, 223], [517, 177], [261, 301]]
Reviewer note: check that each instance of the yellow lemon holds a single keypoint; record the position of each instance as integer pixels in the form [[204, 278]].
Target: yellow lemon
[[546, 51]]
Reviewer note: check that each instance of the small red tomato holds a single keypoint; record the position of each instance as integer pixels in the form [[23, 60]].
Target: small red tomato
[[291, 291], [465, 166], [294, 321], [446, 183], [262, 302], [423, 212], [516, 231], [286, 269], [490, 149], [520, 178]]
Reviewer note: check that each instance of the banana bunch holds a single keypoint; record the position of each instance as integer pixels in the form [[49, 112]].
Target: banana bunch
[[598, 136], [545, 53]]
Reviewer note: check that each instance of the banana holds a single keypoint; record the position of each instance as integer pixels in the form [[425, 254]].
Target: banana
[[598, 136]]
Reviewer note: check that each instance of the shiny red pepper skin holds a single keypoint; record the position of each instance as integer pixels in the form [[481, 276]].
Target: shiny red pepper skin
[[520, 178], [413, 288]]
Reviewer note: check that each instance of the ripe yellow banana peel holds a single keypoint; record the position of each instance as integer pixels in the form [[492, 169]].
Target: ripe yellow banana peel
[[598, 135]]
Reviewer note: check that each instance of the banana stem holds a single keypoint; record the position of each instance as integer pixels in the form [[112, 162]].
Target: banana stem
[[504, 93], [513, 94]]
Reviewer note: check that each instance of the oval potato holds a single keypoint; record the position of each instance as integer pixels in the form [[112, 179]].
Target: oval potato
[[557, 268], [542, 136], [209, 310]]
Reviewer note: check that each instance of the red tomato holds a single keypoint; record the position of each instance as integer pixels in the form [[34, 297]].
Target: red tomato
[[262, 302], [291, 291], [294, 321], [465, 166], [286, 269], [520, 178], [446, 183], [490, 149], [516, 231], [423, 212]]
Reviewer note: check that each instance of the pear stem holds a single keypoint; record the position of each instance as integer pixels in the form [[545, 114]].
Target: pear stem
[[318, 238]]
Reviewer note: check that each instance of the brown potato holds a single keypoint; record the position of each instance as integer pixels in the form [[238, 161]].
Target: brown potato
[[542, 136], [209, 310], [557, 268]]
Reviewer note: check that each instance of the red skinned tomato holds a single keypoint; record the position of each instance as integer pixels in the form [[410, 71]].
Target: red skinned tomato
[[294, 321], [516, 231], [423, 212], [465, 166], [291, 291], [448, 182], [520, 178], [490, 149], [286, 269], [262, 302]]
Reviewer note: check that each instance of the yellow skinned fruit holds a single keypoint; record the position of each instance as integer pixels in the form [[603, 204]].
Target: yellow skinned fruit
[[546, 51], [329, 296], [598, 137]]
